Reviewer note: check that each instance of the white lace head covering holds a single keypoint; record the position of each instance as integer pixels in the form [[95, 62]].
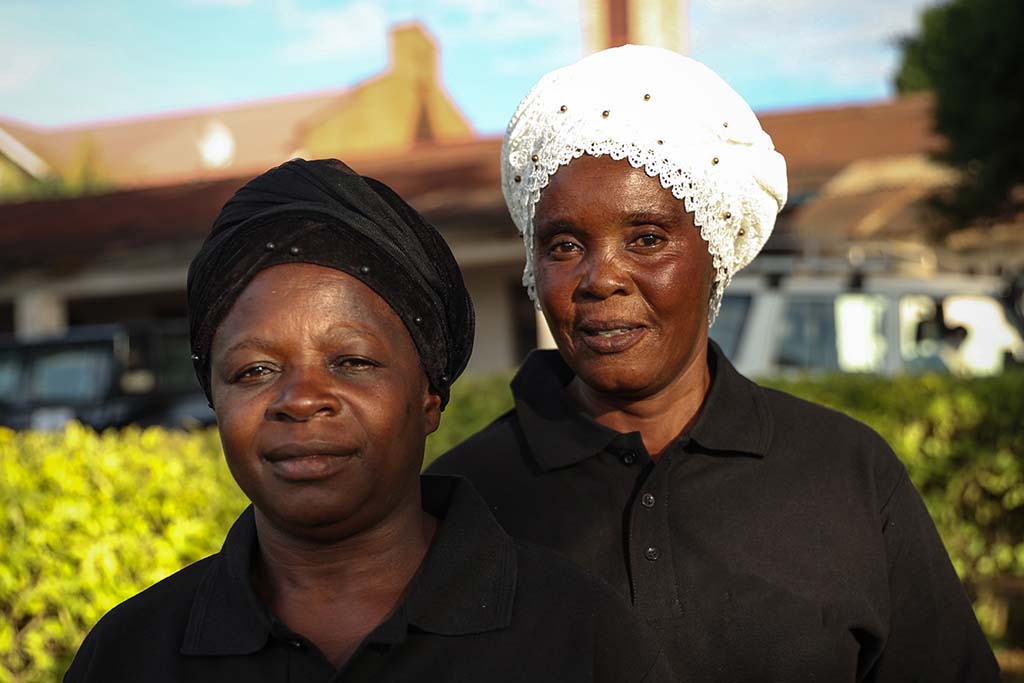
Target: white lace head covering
[[665, 113]]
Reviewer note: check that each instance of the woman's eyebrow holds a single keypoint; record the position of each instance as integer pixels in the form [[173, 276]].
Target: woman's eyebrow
[[649, 216], [249, 344], [556, 225]]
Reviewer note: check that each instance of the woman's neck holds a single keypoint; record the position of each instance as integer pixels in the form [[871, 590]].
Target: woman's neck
[[661, 416], [335, 593]]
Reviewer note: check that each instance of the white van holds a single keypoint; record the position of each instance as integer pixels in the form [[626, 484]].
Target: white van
[[788, 315]]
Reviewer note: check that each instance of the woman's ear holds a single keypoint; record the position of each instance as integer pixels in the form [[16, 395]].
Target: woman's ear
[[431, 411]]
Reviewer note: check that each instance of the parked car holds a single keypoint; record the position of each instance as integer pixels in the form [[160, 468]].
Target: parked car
[[793, 314], [103, 376]]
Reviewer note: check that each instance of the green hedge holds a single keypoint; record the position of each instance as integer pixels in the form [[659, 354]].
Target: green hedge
[[87, 520]]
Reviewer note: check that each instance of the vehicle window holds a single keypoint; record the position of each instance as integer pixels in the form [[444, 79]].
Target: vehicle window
[[860, 332], [966, 335], [729, 324], [844, 333], [175, 364], [71, 375], [927, 343], [10, 373], [807, 335]]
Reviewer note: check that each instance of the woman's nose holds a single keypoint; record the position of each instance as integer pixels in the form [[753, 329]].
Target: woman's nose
[[304, 394], [604, 275]]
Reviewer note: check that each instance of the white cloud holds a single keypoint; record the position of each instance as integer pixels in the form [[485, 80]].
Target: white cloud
[[842, 42], [24, 62], [326, 34], [20, 68], [490, 21], [220, 3]]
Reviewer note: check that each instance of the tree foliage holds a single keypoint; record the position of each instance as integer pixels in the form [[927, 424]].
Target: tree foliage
[[970, 55]]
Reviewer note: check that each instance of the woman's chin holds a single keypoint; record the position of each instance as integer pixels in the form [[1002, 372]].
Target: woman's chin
[[312, 519], [616, 378]]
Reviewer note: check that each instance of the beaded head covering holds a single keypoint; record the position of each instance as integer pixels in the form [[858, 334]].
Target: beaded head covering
[[324, 213], [665, 113]]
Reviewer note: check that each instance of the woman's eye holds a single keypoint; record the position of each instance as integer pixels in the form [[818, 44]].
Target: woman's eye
[[252, 372], [563, 248], [354, 363], [648, 240]]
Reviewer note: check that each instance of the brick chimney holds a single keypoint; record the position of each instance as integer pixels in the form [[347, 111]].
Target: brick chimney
[[610, 23], [413, 52]]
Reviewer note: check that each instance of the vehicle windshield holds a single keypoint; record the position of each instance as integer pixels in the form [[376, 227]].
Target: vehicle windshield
[[10, 374], [173, 359], [70, 375]]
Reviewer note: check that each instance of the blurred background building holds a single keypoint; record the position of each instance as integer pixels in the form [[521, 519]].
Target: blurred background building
[[860, 181]]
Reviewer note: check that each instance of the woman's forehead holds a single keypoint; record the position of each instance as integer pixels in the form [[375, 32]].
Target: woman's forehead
[[301, 298], [603, 184]]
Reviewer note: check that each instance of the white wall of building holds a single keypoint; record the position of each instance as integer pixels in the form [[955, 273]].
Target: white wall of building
[[494, 345]]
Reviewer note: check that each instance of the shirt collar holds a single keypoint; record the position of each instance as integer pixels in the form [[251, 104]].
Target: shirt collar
[[735, 415], [733, 418], [466, 584], [559, 434], [468, 580], [227, 617]]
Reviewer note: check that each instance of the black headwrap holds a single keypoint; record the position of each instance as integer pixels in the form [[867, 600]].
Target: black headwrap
[[324, 213]]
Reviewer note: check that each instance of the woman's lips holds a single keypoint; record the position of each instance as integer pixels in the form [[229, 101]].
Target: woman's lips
[[309, 461], [611, 337]]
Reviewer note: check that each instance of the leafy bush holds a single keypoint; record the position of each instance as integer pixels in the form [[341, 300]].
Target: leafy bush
[[474, 404], [87, 520]]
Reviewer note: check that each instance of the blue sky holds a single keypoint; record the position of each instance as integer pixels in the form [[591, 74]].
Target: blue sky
[[71, 62]]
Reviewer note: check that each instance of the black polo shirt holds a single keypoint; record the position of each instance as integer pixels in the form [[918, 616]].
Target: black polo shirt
[[776, 540], [482, 608]]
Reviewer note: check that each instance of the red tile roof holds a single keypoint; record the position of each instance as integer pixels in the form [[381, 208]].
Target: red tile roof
[[817, 143], [456, 186]]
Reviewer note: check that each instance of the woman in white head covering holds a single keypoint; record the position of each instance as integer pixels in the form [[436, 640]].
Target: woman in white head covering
[[763, 537]]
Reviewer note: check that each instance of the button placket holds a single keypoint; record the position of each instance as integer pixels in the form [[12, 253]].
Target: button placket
[[651, 568]]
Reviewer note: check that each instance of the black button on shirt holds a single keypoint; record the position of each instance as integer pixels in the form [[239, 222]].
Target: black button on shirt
[[482, 608], [775, 541]]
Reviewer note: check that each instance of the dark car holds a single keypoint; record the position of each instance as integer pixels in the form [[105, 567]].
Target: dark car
[[103, 376]]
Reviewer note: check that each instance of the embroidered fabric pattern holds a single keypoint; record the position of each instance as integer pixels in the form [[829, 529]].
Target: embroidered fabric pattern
[[664, 113]]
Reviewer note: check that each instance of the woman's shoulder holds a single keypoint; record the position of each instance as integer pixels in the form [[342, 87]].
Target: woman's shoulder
[[816, 437], [163, 600], [792, 414], [152, 620]]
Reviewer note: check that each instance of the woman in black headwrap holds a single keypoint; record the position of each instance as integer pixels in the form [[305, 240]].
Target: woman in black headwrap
[[328, 321]]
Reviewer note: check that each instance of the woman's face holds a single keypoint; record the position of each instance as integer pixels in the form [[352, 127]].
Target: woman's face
[[321, 401], [623, 276]]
